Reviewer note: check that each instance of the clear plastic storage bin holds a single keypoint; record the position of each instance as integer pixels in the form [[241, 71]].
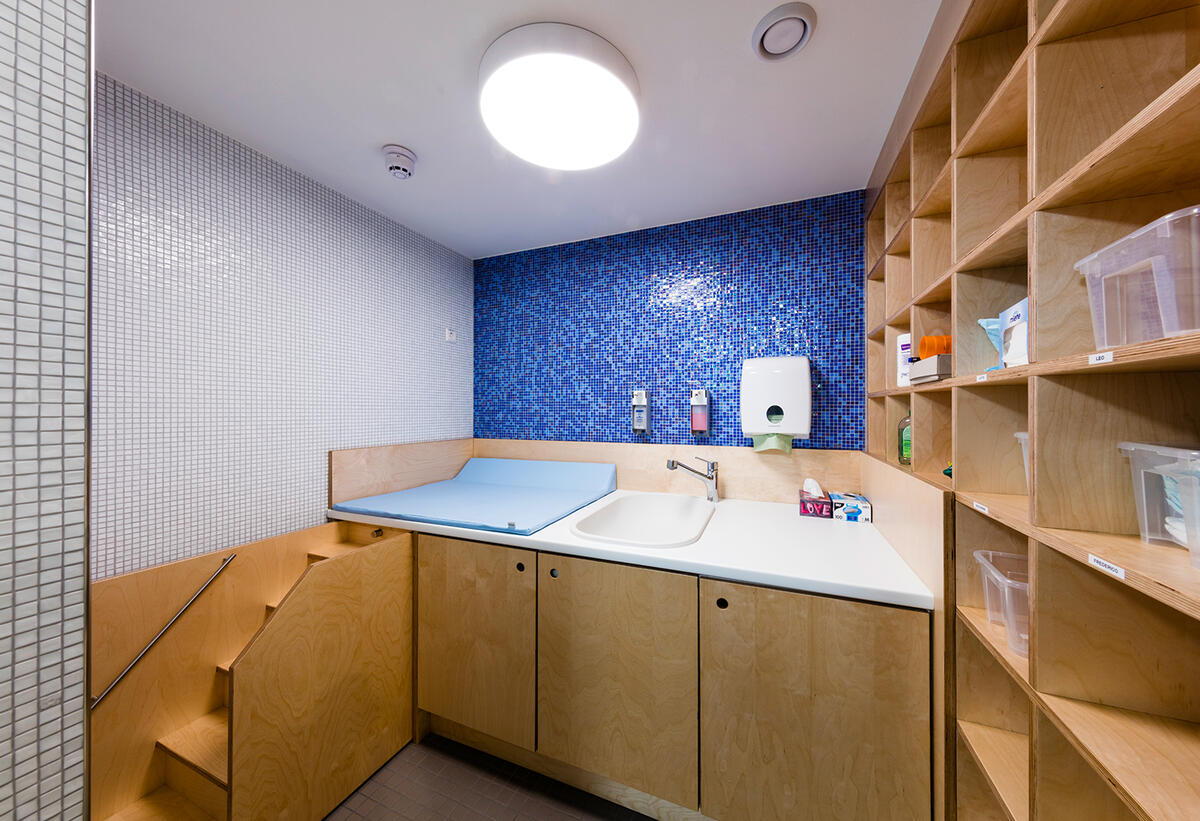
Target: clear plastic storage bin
[[1166, 488], [1147, 284], [1006, 594], [1023, 438]]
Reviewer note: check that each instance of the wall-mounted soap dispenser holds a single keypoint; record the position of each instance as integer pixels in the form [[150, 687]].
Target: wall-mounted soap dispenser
[[776, 401], [640, 412], [701, 417]]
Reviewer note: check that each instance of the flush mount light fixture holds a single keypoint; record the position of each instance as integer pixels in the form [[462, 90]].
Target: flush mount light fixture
[[784, 31], [558, 96]]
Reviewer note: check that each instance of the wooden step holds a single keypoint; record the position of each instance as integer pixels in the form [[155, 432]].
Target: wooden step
[[330, 551], [164, 804], [203, 745]]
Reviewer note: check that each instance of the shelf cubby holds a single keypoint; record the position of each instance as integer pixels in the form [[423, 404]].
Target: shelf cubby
[[987, 458], [932, 435], [890, 351], [976, 801], [1002, 758], [1067, 18], [931, 250], [875, 296], [974, 531], [897, 196], [874, 240], [1064, 785], [987, 694], [1090, 85], [978, 295], [931, 151], [980, 66], [989, 189], [1100, 641], [898, 283], [876, 427], [1059, 303], [1081, 481], [1004, 120], [897, 408], [875, 364]]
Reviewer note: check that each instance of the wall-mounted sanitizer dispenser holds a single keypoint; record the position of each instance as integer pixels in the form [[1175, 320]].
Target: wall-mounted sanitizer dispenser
[[776, 401]]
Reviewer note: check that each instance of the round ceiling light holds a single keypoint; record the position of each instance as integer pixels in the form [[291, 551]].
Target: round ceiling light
[[784, 31], [558, 96]]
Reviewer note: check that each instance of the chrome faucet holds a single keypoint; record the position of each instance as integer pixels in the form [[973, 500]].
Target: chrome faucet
[[709, 477]]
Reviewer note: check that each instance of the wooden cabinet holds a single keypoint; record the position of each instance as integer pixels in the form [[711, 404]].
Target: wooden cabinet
[[476, 639], [618, 673], [812, 707]]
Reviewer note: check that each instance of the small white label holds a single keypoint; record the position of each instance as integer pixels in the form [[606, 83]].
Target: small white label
[[451, 336], [1108, 567], [979, 507], [981, 377], [1100, 358]]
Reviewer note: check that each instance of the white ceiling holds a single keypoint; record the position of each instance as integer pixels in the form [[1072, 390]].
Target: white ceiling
[[320, 86]]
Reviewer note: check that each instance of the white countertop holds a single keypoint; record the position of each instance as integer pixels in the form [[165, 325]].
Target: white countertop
[[767, 543]]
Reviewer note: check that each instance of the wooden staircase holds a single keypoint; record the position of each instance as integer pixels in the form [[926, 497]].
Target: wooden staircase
[[189, 767]]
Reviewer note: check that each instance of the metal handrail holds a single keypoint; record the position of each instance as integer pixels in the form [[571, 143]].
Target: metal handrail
[[166, 627]]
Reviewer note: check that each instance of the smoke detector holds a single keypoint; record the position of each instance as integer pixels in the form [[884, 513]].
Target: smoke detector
[[784, 31], [400, 161]]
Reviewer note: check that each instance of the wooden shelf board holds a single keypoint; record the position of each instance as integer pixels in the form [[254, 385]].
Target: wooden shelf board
[[1003, 758], [1009, 509], [1003, 121], [164, 804], [938, 291], [1155, 151], [1162, 572], [1069, 18], [875, 271], [995, 638], [877, 331], [937, 200], [203, 745], [940, 479], [1005, 246], [331, 551], [1151, 761], [901, 243]]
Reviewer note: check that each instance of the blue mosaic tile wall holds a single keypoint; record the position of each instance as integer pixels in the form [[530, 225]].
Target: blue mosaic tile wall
[[563, 334]]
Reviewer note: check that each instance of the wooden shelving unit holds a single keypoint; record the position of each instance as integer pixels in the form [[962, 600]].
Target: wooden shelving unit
[[1053, 128]]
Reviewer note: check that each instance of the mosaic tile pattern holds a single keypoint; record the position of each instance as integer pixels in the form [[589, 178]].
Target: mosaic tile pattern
[[246, 321], [43, 304], [564, 333]]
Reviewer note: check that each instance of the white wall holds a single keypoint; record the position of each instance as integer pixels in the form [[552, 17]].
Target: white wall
[[246, 320]]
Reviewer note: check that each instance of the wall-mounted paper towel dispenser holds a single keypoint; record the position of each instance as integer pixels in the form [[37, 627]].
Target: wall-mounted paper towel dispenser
[[776, 401]]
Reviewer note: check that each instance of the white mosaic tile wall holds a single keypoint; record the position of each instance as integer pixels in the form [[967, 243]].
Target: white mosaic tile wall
[[246, 321], [43, 304]]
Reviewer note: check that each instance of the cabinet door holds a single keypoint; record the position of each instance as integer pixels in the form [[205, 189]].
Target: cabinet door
[[618, 674], [476, 639], [811, 707]]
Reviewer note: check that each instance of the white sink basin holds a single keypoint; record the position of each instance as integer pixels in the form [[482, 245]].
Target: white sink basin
[[648, 520]]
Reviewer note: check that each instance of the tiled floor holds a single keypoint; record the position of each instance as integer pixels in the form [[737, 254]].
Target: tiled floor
[[441, 779]]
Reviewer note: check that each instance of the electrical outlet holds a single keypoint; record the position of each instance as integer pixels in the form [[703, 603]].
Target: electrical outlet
[[451, 336]]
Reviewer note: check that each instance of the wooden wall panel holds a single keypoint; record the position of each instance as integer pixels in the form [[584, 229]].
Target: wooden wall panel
[[918, 521], [360, 472], [744, 474], [322, 697]]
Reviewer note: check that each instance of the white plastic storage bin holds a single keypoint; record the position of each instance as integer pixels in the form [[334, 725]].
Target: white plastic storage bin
[[1023, 438], [1006, 594], [1147, 284], [1166, 488]]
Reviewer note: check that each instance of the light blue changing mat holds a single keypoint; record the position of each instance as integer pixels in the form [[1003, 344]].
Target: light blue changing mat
[[507, 495]]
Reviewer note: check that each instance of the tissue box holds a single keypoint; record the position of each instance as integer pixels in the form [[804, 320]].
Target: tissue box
[[818, 506], [850, 507], [930, 369]]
